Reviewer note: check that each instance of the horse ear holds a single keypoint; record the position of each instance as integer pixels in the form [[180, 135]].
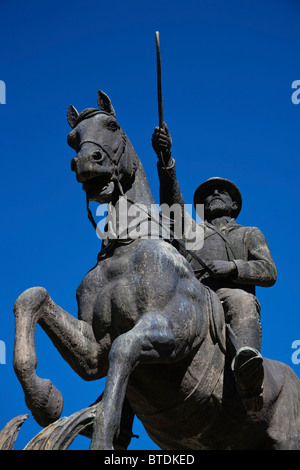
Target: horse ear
[[72, 115], [104, 103]]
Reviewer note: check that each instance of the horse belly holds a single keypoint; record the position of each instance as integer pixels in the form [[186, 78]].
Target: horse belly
[[180, 399], [181, 425]]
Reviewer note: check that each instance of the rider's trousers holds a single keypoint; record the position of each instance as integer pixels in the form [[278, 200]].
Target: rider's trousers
[[242, 313]]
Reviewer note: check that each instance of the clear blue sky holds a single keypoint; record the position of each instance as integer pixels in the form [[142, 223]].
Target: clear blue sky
[[227, 70]]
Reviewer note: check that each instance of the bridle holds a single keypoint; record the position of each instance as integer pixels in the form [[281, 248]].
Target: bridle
[[113, 157]]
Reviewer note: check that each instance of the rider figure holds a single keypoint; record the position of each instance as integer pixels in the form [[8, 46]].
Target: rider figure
[[238, 258]]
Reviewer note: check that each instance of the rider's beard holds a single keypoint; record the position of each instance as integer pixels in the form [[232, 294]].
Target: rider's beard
[[217, 208]]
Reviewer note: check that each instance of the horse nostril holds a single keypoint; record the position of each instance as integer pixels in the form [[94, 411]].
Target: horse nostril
[[97, 156], [73, 164]]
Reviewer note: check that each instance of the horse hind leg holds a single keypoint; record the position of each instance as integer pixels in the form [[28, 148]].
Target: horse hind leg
[[75, 343], [151, 340]]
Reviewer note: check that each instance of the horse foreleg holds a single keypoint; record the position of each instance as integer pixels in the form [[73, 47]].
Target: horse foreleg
[[73, 338], [151, 340]]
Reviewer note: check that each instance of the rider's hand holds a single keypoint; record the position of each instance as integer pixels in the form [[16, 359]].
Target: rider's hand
[[161, 143], [222, 268]]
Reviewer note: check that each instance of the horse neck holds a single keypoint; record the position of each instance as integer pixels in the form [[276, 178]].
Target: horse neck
[[136, 187], [133, 190]]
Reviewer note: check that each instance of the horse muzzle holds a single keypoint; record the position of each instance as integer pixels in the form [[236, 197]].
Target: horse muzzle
[[90, 166], [96, 177]]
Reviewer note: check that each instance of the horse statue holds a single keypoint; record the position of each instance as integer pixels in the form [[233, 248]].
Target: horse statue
[[148, 325]]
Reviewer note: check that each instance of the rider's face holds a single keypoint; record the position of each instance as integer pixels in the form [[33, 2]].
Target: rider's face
[[218, 202]]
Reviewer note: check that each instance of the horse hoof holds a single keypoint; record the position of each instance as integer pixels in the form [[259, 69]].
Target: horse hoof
[[47, 404]]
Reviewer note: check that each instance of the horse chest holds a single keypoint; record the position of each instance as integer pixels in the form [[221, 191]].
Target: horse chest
[[107, 295]]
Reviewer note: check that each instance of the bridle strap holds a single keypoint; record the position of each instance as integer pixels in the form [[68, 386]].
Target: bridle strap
[[113, 157]]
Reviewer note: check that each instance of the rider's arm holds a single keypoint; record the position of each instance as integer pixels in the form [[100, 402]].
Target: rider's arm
[[258, 268], [170, 192]]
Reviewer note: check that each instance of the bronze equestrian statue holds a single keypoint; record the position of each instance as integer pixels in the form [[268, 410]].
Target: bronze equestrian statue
[[148, 325]]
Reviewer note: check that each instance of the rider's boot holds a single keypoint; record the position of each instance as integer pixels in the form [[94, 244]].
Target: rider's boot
[[248, 370]]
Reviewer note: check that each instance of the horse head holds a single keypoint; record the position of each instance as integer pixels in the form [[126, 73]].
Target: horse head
[[105, 159]]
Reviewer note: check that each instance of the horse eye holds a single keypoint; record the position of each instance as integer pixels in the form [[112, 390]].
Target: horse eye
[[112, 125]]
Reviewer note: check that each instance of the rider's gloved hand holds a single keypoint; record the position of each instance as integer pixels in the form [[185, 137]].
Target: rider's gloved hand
[[161, 143]]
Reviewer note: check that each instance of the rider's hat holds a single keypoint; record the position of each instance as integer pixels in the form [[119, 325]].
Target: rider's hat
[[217, 182]]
